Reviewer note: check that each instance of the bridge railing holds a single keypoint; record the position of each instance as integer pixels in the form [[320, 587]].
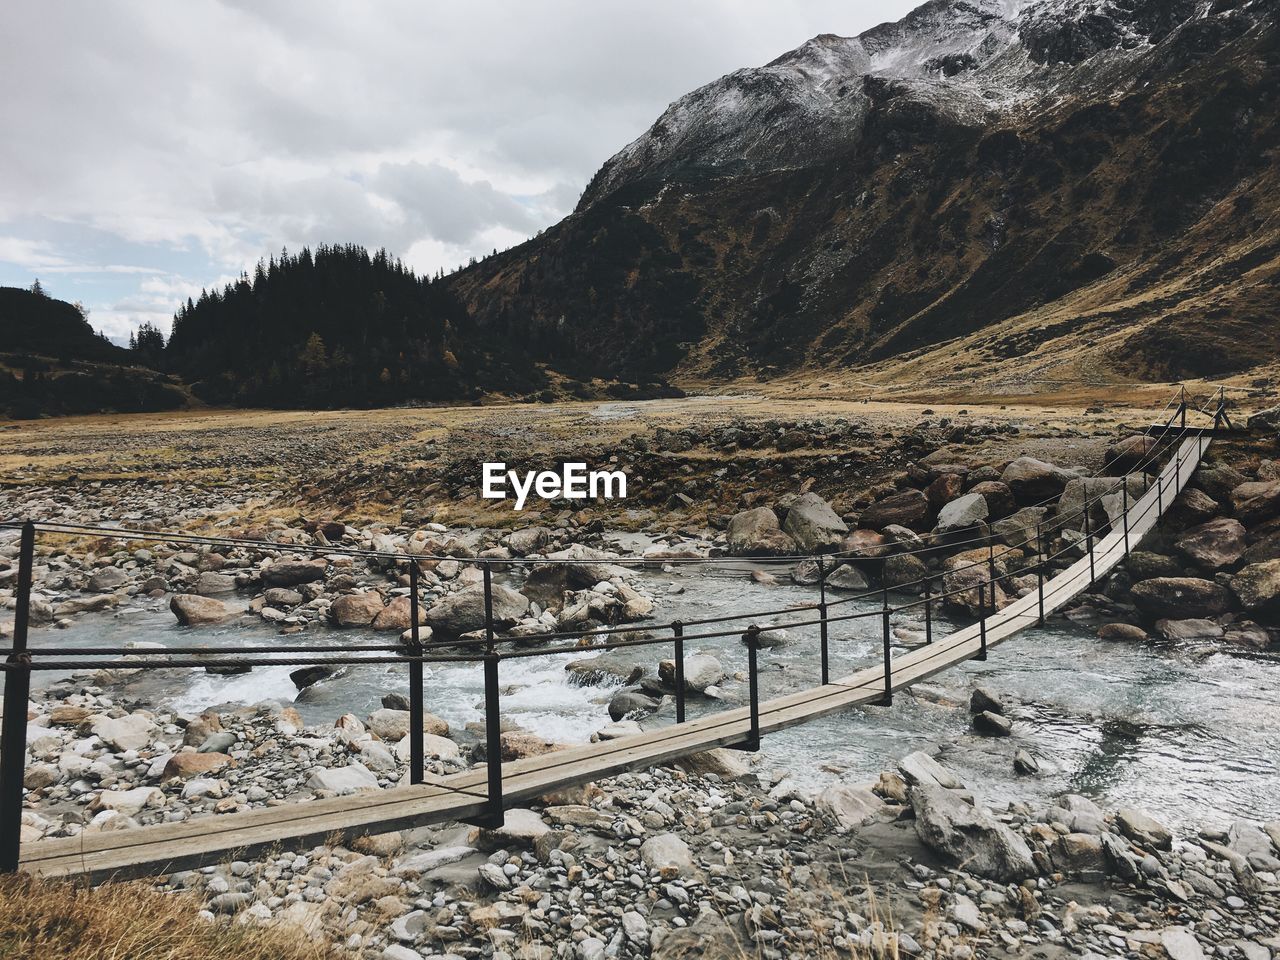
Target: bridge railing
[[490, 649]]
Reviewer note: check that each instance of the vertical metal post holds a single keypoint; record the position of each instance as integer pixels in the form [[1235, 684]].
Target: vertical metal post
[[1160, 494], [417, 758], [492, 711], [752, 638], [822, 623], [1088, 541], [928, 612], [982, 622], [1124, 497], [1182, 407], [17, 691], [888, 661], [678, 629], [1041, 560]]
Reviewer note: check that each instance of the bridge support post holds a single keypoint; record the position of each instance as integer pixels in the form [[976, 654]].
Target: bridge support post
[[1042, 558], [678, 629], [493, 815], [885, 613], [1124, 499], [928, 612], [417, 760], [17, 690], [1088, 543], [822, 624], [752, 640]]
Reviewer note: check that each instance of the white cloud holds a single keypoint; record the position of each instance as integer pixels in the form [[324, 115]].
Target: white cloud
[[221, 130]]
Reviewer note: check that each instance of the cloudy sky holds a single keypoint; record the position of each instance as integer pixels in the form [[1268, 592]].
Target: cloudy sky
[[151, 149]]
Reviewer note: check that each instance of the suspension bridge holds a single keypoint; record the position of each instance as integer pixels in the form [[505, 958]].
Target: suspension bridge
[[1064, 568]]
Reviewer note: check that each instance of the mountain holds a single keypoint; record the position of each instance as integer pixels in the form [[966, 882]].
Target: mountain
[[340, 327], [32, 322], [1046, 186]]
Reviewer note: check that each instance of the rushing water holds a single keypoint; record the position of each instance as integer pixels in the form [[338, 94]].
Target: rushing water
[[1194, 739]]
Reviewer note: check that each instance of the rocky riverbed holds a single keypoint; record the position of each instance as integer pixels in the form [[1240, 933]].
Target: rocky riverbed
[[718, 857]]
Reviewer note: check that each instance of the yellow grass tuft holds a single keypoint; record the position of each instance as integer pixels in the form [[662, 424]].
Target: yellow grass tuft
[[41, 920]]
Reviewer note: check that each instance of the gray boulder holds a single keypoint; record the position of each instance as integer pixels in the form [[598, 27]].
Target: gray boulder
[[1258, 585], [757, 533], [1214, 545], [108, 579], [969, 836], [290, 573], [1143, 829], [1180, 598], [813, 524], [962, 513], [1033, 481], [463, 611], [192, 610]]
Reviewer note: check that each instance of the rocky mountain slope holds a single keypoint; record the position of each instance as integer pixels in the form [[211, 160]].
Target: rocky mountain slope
[[1023, 183]]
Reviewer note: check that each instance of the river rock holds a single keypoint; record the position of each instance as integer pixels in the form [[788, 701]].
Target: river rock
[[188, 763], [982, 700], [398, 615], [1194, 629], [992, 724], [1130, 453], [108, 579], [393, 725], [627, 703], [909, 508], [527, 540], [1258, 585], [463, 611], [725, 764], [999, 498], [813, 525], [903, 569], [341, 780], [1122, 631], [192, 610], [291, 573], [920, 769], [757, 533], [700, 671], [1143, 829], [1033, 481], [1180, 598], [668, 855], [1181, 944], [848, 805], [356, 609], [968, 835], [127, 802], [963, 513], [305, 677], [211, 584], [846, 577], [1145, 565], [1020, 528], [865, 545], [1256, 501], [1214, 545], [132, 732]]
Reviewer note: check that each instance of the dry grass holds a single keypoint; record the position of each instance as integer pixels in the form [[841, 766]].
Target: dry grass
[[43, 920]]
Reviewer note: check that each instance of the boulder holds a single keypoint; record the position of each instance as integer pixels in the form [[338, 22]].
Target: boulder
[[1194, 629], [393, 725], [1180, 598], [214, 584], [1033, 481], [108, 579], [999, 498], [1020, 528], [463, 611], [1214, 545], [1258, 585], [846, 577], [628, 703], [944, 489], [340, 780], [983, 700], [527, 540], [290, 573], [1131, 453], [1145, 565], [1121, 631], [192, 610], [1081, 855], [1254, 502], [1194, 506], [921, 769], [1143, 829], [970, 836], [1217, 481], [992, 724], [865, 545], [963, 513], [757, 533], [700, 671], [848, 805], [909, 508], [1266, 420], [903, 569], [518, 744], [667, 854], [813, 525], [726, 764], [188, 763], [127, 802], [398, 615], [305, 677], [132, 732], [356, 609]]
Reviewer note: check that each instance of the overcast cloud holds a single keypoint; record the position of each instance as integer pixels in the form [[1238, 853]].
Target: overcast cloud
[[151, 149]]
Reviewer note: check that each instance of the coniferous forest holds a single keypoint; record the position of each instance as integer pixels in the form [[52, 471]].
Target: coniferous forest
[[339, 326]]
